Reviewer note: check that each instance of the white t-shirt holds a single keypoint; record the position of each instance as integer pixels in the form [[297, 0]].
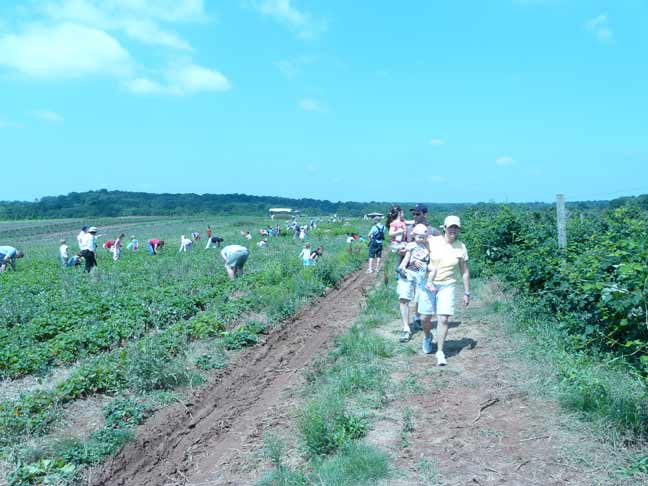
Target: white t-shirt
[[63, 251], [88, 242]]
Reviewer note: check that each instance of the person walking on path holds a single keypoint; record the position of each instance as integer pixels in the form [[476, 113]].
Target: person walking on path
[[397, 232], [376, 239], [116, 247], [447, 255], [412, 270], [154, 246], [88, 247], [235, 257], [8, 257], [185, 244]]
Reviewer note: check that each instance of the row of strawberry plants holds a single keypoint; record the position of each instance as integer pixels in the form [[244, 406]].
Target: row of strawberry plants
[[279, 289]]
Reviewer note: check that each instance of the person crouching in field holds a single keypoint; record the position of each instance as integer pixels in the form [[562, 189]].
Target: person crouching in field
[[185, 244], [64, 253], [315, 256], [154, 246], [214, 240], [133, 244], [195, 235], [235, 257], [8, 257]]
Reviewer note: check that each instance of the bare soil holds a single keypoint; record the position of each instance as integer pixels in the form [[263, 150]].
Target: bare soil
[[200, 441], [476, 421]]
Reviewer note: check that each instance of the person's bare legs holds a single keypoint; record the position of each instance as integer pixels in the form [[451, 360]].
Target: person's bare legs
[[442, 332], [370, 269], [426, 323], [377, 264], [404, 310], [231, 273]]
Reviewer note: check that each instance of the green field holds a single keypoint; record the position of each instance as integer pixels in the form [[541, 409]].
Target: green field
[[128, 328]]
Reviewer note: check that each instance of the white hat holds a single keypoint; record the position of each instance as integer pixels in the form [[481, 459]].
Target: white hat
[[92, 229], [420, 229], [452, 221]]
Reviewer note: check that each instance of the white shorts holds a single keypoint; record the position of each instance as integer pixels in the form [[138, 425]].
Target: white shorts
[[407, 287], [441, 302]]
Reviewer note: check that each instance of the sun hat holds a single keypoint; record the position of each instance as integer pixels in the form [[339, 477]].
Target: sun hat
[[92, 229], [452, 221], [420, 229]]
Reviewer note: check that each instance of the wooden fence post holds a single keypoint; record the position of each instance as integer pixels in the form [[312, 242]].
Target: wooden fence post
[[560, 220]]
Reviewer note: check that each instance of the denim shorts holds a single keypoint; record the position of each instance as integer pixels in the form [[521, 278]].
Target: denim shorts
[[237, 259], [441, 302], [375, 250]]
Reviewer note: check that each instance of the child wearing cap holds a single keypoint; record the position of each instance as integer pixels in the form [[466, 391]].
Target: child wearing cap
[[417, 258]]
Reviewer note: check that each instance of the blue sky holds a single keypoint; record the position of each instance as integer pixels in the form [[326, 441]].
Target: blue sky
[[440, 101]]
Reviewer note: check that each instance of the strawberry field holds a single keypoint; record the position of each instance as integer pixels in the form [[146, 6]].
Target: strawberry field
[[138, 326]]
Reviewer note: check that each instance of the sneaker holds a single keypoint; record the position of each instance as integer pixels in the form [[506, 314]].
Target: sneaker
[[441, 359], [369, 270], [427, 344], [405, 336], [416, 325]]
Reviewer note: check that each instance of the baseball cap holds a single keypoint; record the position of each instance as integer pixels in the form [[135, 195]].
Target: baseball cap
[[420, 208], [92, 229], [451, 221]]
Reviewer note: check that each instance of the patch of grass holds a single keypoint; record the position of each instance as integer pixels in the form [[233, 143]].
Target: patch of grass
[[326, 425], [408, 427], [215, 358], [427, 473], [157, 365], [356, 464], [587, 382]]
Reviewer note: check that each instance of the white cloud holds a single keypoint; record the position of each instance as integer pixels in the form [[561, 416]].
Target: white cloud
[[48, 116], [504, 161], [63, 51], [309, 104], [138, 19], [600, 28], [312, 168], [294, 67], [301, 22], [336, 180], [182, 80], [436, 141], [437, 179]]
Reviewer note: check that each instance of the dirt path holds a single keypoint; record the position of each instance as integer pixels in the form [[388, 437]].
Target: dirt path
[[478, 422], [200, 440]]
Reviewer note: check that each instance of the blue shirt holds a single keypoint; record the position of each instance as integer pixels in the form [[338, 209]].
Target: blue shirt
[[8, 252]]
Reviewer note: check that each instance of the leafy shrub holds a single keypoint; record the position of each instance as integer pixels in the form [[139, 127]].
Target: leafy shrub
[[123, 412], [44, 472]]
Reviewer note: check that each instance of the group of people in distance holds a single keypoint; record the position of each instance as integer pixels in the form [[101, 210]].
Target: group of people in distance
[[427, 265]]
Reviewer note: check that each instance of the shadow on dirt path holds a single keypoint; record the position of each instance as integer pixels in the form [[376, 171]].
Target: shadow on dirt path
[[477, 422], [195, 441]]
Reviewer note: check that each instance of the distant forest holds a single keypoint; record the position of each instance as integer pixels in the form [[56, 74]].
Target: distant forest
[[122, 203]]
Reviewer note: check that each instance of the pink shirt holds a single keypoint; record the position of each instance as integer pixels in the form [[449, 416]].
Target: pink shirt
[[397, 224]]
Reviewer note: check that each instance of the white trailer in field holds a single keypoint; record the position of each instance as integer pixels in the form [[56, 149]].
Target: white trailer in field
[[286, 213], [373, 215]]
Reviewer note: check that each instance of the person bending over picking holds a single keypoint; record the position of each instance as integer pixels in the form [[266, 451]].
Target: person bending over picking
[[8, 257], [235, 257]]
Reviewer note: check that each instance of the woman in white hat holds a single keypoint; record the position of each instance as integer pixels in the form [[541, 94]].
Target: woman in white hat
[[447, 256]]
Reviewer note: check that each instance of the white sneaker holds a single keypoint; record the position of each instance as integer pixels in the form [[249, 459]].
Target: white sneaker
[[370, 271], [441, 359]]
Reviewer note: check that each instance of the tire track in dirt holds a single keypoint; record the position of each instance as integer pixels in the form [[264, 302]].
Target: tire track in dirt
[[189, 441]]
